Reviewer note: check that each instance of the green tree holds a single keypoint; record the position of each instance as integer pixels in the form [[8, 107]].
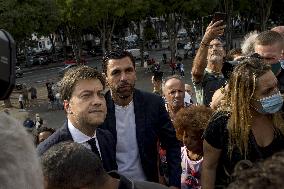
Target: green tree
[[137, 12], [75, 16], [105, 15], [49, 20]]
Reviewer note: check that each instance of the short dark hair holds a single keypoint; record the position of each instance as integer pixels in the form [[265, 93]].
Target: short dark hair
[[71, 165], [158, 76], [261, 175], [116, 54], [41, 130], [269, 38], [232, 53], [73, 75]]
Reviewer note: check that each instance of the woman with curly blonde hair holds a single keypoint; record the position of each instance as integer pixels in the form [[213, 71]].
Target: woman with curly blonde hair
[[249, 125], [190, 124]]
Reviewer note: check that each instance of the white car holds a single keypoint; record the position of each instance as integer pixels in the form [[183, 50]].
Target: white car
[[136, 53]]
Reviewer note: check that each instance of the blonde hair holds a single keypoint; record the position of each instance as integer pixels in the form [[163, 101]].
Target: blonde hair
[[242, 86]]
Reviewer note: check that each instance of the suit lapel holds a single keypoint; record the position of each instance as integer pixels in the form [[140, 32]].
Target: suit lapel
[[139, 110], [110, 121], [65, 134]]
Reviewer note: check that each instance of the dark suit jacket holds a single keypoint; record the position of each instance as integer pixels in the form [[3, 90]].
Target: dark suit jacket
[[152, 123], [125, 183], [105, 140]]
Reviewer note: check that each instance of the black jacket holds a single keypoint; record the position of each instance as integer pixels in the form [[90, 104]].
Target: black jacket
[[152, 124], [105, 140], [125, 183]]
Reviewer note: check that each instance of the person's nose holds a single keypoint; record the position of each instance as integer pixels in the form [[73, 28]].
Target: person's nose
[[97, 100], [178, 94], [123, 76]]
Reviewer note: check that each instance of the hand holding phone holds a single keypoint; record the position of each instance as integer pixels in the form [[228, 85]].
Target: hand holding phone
[[219, 16]]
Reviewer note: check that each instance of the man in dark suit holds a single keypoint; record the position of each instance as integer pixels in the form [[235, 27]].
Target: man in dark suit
[[138, 120], [81, 90]]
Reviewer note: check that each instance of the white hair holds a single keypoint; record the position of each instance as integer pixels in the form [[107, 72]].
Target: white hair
[[20, 165], [247, 45]]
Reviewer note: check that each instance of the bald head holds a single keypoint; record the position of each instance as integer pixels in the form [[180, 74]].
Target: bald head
[[279, 29]]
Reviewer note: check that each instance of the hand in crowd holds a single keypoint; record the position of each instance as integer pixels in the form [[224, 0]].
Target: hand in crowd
[[213, 30]]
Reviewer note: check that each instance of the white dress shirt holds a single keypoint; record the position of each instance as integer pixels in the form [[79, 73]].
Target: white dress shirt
[[81, 138]]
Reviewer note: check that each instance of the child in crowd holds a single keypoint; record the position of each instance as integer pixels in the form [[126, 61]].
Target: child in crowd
[[190, 124]]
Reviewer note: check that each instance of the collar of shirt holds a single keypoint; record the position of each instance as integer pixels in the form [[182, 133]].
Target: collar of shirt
[[77, 135]]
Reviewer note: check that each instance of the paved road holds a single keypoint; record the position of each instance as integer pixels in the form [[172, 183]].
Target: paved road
[[56, 118]]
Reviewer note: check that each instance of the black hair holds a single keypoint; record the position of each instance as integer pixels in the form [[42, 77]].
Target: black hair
[[116, 54], [41, 130], [71, 165], [158, 76]]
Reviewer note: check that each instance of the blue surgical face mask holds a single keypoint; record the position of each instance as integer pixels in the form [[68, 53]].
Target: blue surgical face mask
[[271, 104], [275, 68]]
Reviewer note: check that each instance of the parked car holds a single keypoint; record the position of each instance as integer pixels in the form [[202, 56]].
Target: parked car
[[136, 53], [40, 60], [71, 60], [18, 71]]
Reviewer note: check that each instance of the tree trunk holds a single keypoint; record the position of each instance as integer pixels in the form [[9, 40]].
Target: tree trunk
[[103, 40], [228, 30], [140, 42], [172, 27], [265, 6]]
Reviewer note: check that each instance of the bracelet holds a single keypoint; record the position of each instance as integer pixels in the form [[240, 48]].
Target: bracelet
[[204, 44]]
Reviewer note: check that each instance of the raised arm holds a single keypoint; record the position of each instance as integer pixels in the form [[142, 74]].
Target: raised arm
[[200, 61]]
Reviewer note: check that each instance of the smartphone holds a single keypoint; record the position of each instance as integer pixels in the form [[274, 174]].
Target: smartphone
[[219, 16]]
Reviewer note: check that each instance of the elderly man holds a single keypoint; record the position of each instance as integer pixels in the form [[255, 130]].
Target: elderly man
[[174, 93], [137, 121], [208, 62], [82, 92]]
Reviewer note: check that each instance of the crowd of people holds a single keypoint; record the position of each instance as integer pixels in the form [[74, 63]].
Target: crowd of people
[[117, 136]]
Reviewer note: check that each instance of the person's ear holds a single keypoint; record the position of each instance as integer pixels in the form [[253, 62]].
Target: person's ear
[[67, 107]]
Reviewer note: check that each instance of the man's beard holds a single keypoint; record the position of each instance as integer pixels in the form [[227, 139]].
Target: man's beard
[[84, 121], [123, 94]]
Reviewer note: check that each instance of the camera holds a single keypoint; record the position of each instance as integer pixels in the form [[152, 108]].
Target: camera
[[7, 64]]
